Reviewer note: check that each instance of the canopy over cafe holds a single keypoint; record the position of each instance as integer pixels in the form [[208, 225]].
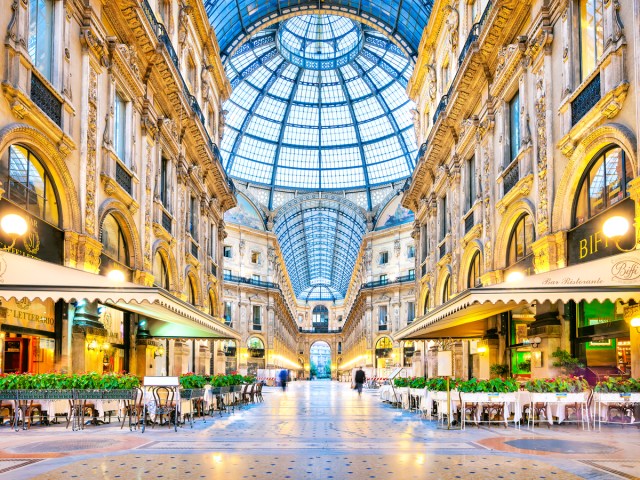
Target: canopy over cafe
[[54, 317], [590, 308]]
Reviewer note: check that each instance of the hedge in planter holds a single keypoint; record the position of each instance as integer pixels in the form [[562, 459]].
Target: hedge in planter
[[557, 385], [75, 381], [618, 385], [495, 385]]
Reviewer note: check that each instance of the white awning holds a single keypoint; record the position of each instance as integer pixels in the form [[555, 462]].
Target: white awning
[[23, 277], [611, 278]]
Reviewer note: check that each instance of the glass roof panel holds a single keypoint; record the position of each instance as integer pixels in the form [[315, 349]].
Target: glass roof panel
[[281, 116]]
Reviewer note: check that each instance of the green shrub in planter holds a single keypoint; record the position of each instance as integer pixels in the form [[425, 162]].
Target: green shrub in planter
[[439, 384], [495, 385], [557, 385], [418, 382], [618, 385], [401, 382], [499, 370], [191, 380]]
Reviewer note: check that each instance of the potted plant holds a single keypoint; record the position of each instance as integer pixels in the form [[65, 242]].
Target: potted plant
[[499, 370], [567, 364], [525, 366]]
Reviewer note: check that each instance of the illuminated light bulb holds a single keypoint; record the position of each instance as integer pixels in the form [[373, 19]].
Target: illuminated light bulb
[[514, 277], [615, 226], [116, 275], [13, 224]]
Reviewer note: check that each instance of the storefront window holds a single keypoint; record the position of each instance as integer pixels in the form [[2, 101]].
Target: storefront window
[[522, 236], [29, 186], [604, 184], [113, 240]]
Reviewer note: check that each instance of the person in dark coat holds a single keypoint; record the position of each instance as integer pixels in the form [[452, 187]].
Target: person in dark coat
[[284, 376], [360, 378]]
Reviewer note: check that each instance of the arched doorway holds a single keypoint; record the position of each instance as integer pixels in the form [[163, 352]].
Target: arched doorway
[[320, 357], [255, 360], [384, 352]]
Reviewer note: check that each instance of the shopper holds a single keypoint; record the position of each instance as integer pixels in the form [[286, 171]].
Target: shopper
[[360, 378], [284, 376]]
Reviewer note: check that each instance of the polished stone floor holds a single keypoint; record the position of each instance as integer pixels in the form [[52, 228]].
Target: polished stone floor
[[319, 430]]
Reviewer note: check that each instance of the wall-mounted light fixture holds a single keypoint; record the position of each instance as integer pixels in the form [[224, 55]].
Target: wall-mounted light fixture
[[514, 276], [635, 323], [534, 342], [15, 226], [482, 349], [116, 275], [93, 345], [159, 352]]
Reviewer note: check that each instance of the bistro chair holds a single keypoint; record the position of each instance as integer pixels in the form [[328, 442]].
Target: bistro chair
[[133, 409], [165, 405], [258, 393]]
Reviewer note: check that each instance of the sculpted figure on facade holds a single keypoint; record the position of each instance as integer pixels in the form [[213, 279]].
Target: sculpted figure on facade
[[432, 82], [453, 20]]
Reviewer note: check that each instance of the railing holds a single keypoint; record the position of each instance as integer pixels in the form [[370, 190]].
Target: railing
[[473, 34], [214, 268], [510, 178], [469, 223], [319, 330], [46, 100], [166, 221], [586, 99], [443, 249], [444, 101], [251, 281], [123, 178], [378, 283], [161, 33], [423, 269], [194, 248], [382, 328]]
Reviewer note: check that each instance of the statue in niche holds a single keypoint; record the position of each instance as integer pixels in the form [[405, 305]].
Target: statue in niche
[[432, 81], [415, 116], [452, 23]]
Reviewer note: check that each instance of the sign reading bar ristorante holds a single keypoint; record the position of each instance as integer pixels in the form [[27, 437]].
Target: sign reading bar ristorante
[[587, 242]]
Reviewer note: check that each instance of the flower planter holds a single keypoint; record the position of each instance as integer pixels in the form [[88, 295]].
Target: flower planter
[[191, 393], [119, 394], [488, 397], [617, 397], [558, 397]]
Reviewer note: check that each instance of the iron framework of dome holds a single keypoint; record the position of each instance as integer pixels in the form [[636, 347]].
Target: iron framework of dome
[[344, 127]]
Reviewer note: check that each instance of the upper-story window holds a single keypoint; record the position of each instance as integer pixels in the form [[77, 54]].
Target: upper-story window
[[604, 184], [29, 185], [255, 257], [212, 304], [475, 11], [412, 273], [446, 76], [227, 313], [193, 218], [226, 252], [120, 127], [191, 290], [411, 251], [213, 234], [444, 218], [383, 278], [382, 317], [257, 317], [384, 258], [164, 182], [41, 27], [113, 240], [473, 280], [514, 127], [425, 305], [446, 289], [591, 35], [424, 239], [255, 277], [471, 182], [522, 236], [191, 74], [160, 272]]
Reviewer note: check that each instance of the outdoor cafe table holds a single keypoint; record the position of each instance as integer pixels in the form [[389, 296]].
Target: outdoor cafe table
[[509, 401], [555, 405], [603, 401]]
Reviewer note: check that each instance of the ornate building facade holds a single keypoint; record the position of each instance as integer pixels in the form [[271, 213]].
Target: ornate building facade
[[527, 116], [110, 121]]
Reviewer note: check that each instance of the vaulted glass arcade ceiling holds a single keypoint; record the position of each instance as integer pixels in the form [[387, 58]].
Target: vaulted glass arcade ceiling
[[319, 104]]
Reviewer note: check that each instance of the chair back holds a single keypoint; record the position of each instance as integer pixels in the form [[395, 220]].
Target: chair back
[[163, 396]]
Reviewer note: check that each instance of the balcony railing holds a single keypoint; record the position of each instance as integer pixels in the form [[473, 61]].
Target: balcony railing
[[382, 328], [378, 283], [510, 178], [586, 99], [442, 249], [444, 101], [319, 330], [423, 269], [194, 249], [473, 34], [166, 221], [250, 281], [468, 223], [46, 100], [214, 268], [123, 178]]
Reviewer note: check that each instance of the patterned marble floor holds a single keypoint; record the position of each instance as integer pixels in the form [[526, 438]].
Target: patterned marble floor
[[319, 430]]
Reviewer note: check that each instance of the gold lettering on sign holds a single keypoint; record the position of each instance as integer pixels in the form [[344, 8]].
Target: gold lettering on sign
[[591, 244]]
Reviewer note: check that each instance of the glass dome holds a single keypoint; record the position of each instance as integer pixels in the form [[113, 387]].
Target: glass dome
[[319, 42], [344, 127]]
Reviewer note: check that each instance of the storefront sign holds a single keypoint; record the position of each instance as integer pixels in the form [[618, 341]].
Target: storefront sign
[[42, 240], [587, 242], [34, 315]]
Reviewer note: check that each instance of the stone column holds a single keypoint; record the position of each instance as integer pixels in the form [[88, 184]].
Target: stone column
[[548, 327]]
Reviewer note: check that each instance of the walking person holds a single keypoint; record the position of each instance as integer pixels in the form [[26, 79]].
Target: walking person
[[360, 378], [284, 376]]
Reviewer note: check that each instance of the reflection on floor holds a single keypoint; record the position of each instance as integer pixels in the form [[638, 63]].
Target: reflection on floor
[[319, 430]]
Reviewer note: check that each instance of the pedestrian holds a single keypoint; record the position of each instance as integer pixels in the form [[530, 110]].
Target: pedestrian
[[360, 378], [284, 376]]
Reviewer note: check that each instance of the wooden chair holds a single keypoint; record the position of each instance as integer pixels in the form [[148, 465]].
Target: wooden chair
[[166, 406], [259, 392], [531, 412], [133, 409]]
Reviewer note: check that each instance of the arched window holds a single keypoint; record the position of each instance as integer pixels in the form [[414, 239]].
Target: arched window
[[160, 272], [446, 289], [320, 314], [29, 185], [229, 348], [113, 240], [473, 280], [425, 306], [212, 303], [522, 236], [191, 290], [255, 347], [604, 184]]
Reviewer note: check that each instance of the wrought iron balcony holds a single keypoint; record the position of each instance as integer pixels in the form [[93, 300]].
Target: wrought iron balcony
[[250, 281], [319, 330], [46, 100], [444, 101], [378, 283], [510, 178], [423, 269], [586, 100], [469, 222], [194, 248], [123, 178], [473, 34], [443, 249], [166, 221]]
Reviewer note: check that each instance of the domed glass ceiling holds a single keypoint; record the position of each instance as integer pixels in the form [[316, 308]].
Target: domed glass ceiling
[[344, 124]]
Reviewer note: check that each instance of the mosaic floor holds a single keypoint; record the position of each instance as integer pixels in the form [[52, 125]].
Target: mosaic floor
[[319, 430]]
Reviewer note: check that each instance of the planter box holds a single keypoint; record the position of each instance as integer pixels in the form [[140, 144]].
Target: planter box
[[119, 394], [559, 397], [617, 397], [190, 393], [488, 397]]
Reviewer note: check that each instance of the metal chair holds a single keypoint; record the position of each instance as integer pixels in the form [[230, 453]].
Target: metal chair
[[165, 405]]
